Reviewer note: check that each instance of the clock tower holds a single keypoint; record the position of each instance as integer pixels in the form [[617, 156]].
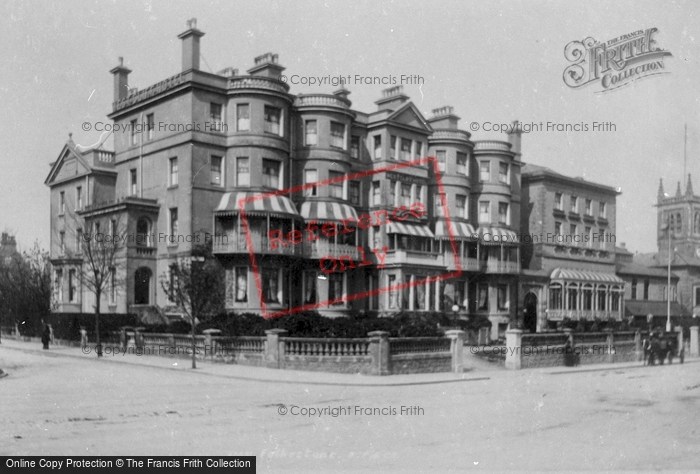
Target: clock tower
[[679, 214]]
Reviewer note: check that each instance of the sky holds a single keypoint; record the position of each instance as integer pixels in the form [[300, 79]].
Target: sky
[[492, 61]]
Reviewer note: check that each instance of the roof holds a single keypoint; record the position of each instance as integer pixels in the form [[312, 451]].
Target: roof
[[531, 172], [631, 268], [585, 276], [654, 260], [657, 308]]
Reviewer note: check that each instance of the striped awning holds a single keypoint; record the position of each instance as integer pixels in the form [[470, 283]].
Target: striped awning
[[497, 235], [409, 229], [460, 230], [568, 274], [327, 211], [280, 205]]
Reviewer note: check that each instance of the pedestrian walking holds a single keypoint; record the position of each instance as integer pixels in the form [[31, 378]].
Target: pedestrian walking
[[663, 350], [646, 347], [654, 350], [46, 337]]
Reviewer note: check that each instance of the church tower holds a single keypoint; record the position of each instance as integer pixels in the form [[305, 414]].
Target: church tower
[[679, 214]]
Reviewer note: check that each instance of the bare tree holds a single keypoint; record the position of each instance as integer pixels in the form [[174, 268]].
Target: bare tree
[[196, 285], [102, 247]]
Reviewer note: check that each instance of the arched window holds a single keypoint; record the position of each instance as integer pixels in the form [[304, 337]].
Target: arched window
[[142, 286], [143, 231], [587, 297], [679, 223], [671, 222], [572, 296], [697, 223]]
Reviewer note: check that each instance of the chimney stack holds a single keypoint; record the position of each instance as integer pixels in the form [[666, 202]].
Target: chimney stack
[[515, 138], [121, 80], [392, 98], [444, 117], [267, 65], [190, 45]]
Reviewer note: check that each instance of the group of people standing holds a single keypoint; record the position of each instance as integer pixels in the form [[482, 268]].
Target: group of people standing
[[659, 349]]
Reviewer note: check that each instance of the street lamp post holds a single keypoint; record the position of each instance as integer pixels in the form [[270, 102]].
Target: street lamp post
[[455, 309], [668, 292], [198, 260]]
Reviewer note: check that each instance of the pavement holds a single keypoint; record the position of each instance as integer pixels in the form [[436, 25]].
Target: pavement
[[600, 418]]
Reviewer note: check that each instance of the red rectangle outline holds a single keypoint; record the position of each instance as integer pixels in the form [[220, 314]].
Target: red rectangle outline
[[323, 304]]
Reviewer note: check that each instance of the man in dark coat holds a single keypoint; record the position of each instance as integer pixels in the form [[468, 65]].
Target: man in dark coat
[[46, 337]]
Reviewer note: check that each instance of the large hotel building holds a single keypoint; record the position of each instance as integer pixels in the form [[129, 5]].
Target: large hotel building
[[197, 143]]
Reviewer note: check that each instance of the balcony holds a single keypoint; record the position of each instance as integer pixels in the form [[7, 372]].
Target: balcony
[[576, 314], [498, 266], [323, 100], [468, 264], [484, 145], [257, 82], [261, 245], [319, 249], [459, 135], [413, 257]]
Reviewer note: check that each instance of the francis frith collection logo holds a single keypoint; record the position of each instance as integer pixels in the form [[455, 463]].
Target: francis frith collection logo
[[615, 63]]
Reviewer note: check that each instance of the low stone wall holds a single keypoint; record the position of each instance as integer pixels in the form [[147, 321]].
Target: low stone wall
[[421, 363], [550, 349]]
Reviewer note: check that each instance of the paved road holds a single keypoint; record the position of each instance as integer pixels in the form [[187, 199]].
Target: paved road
[[629, 418]]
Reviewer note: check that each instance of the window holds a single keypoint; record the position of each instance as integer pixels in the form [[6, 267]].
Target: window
[[215, 112], [62, 203], [393, 293], [242, 171], [503, 217], [462, 164], [142, 232], [392, 193], [461, 202], [271, 173], [406, 149], [273, 118], [589, 207], [697, 296], [216, 171], [62, 242], [335, 287], [376, 193], [572, 297], [173, 171], [587, 298], [336, 189], [271, 286], [78, 241], [133, 181], [555, 301], [419, 150], [484, 171], [601, 210], [441, 156], [355, 147], [243, 117], [503, 175], [574, 204], [59, 285], [601, 236], [113, 227], [484, 212], [378, 147], [646, 289], [405, 195], [112, 285], [310, 293], [634, 289], [679, 223], [482, 297], [573, 229], [557, 228], [311, 133], [589, 236], [72, 294], [337, 135], [79, 197], [392, 148], [354, 190], [696, 227], [150, 126], [134, 126], [558, 202], [502, 300], [173, 224], [241, 291], [601, 299], [310, 177]]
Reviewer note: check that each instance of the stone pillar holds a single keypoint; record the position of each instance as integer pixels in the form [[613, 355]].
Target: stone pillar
[[138, 336], [83, 337], [379, 349], [514, 339], [679, 330], [209, 342], [694, 342], [274, 357], [456, 348]]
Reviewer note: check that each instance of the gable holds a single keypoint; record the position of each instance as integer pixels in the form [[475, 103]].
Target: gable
[[409, 115], [67, 166]]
